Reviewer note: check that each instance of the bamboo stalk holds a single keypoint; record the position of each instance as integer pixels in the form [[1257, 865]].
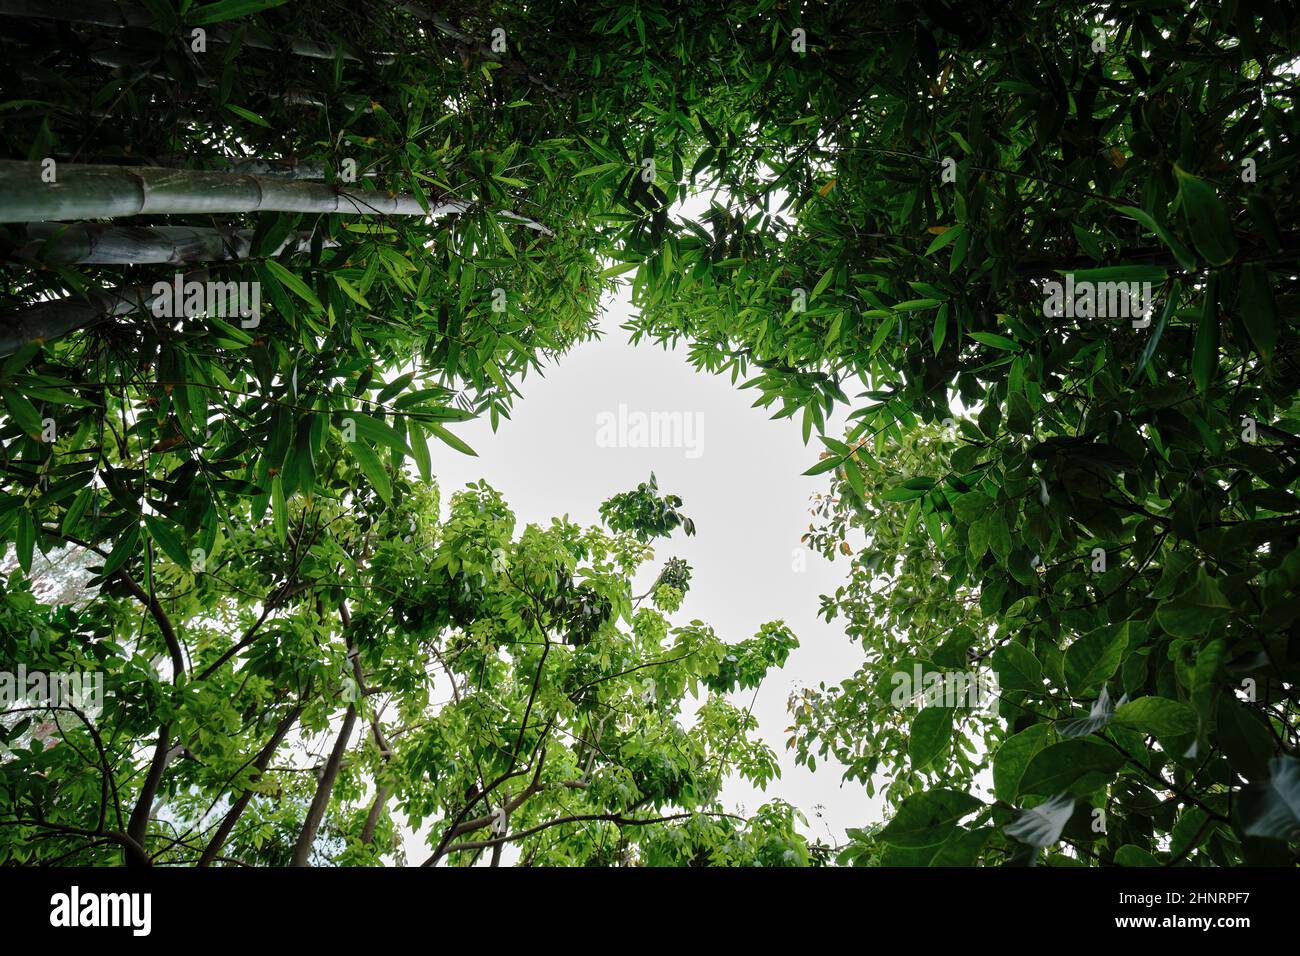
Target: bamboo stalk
[[280, 169], [112, 57], [107, 192], [63, 243], [50, 320], [105, 13], [277, 168]]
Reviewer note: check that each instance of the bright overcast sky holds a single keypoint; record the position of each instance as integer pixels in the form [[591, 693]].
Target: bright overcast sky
[[742, 486]]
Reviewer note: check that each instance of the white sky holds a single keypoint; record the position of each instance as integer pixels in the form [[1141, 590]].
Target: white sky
[[744, 489]]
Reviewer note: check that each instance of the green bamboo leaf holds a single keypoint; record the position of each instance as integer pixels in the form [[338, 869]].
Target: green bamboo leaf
[[909, 489], [374, 470], [1180, 251], [392, 388], [822, 283], [993, 340], [917, 305], [167, 540], [375, 431], [23, 411], [944, 238], [940, 330], [76, 510], [26, 540], [1131, 272], [294, 284], [279, 510], [912, 514], [1258, 313], [351, 292], [1207, 218], [1148, 350], [225, 10], [853, 475], [419, 443], [597, 170], [450, 439], [248, 115], [1205, 350], [824, 465], [125, 548]]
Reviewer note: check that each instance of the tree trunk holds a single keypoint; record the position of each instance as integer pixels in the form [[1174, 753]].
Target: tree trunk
[[105, 192], [385, 752], [138, 826], [319, 802], [237, 808], [372, 818], [67, 243]]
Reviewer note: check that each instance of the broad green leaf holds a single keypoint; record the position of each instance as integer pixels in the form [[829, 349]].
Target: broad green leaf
[[1018, 669], [1093, 659], [970, 506], [962, 848], [1191, 613], [928, 818], [931, 732], [1013, 757], [1060, 767], [1271, 809], [1132, 855], [1157, 716]]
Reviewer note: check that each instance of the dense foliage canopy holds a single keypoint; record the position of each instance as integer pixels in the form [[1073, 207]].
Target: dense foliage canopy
[[928, 214]]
